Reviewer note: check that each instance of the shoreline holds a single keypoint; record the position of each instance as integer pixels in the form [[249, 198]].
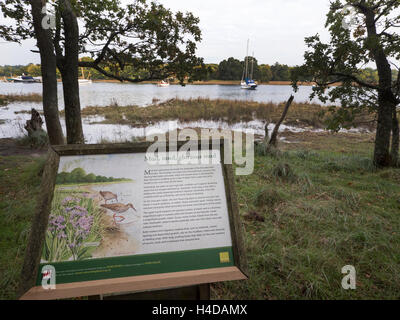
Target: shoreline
[[212, 82]]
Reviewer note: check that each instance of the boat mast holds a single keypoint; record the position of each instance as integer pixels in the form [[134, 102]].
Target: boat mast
[[247, 60], [252, 67]]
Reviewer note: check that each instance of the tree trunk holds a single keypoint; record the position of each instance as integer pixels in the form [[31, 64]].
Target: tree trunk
[[274, 135], [73, 119], [383, 132], [69, 72], [394, 154], [49, 76], [385, 95]]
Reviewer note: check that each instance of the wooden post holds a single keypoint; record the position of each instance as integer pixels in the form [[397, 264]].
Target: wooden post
[[39, 224], [272, 141]]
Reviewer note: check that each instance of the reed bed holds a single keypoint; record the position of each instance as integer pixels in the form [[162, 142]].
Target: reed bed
[[9, 98], [230, 111]]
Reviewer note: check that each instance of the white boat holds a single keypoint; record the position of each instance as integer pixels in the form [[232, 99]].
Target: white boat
[[23, 79], [163, 84], [247, 82], [84, 80]]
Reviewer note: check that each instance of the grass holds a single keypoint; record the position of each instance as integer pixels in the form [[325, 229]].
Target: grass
[[338, 211], [19, 188], [9, 98], [230, 111], [38, 139], [323, 204]]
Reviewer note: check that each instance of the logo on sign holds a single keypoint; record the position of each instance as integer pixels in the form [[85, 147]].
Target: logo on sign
[[224, 257], [48, 278]]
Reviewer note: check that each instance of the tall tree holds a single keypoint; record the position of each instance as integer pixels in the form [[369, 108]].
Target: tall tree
[[280, 72], [230, 69], [254, 69], [140, 35], [362, 32], [28, 28], [265, 73], [68, 65]]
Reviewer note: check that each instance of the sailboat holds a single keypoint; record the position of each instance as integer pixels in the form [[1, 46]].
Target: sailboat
[[247, 79], [84, 80]]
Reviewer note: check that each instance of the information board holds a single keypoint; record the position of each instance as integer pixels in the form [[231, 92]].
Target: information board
[[121, 221]]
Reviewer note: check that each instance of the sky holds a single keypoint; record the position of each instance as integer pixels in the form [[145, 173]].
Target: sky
[[276, 29]]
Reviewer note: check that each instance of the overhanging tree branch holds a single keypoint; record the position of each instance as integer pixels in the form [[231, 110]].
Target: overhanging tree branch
[[355, 79]]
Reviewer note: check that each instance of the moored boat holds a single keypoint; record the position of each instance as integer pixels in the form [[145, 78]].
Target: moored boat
[[85, 81], [249, 84], [247, 79], [163, 84], [23, 79]]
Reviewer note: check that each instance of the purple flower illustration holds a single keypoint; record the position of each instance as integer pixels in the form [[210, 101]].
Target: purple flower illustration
[[70, 225], [57, 226], [69, 200]]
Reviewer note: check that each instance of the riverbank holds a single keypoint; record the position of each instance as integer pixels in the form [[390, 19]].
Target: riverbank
[[229, 111], [118, 123], [209, 82], [331, 209], [204, 109], [219, 82]]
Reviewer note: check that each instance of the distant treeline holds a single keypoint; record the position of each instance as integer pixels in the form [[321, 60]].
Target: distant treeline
[[11, 71], [229, 69], [232, 69], [79, 175]]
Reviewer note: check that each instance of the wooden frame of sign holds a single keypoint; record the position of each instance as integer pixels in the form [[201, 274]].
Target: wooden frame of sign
[[29, 288]]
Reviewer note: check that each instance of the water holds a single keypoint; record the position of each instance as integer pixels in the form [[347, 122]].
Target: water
[[104, 94]]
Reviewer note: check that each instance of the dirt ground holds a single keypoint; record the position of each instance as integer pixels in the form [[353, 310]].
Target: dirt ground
[[9, 147]]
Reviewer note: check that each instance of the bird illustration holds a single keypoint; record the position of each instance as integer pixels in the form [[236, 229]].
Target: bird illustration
[[107, 195], [118, 208]]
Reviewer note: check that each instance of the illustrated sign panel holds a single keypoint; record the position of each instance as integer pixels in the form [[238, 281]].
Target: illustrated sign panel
[[116, 215], [119, 215]]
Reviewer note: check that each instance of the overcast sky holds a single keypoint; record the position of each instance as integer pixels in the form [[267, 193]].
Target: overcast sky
[[276, 29]]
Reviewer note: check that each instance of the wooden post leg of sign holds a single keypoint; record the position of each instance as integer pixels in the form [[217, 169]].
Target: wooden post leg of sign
[[200, 292]]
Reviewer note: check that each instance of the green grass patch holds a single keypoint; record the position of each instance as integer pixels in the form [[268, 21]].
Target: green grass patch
[[339, 211], [19, 188], [38, 139]]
